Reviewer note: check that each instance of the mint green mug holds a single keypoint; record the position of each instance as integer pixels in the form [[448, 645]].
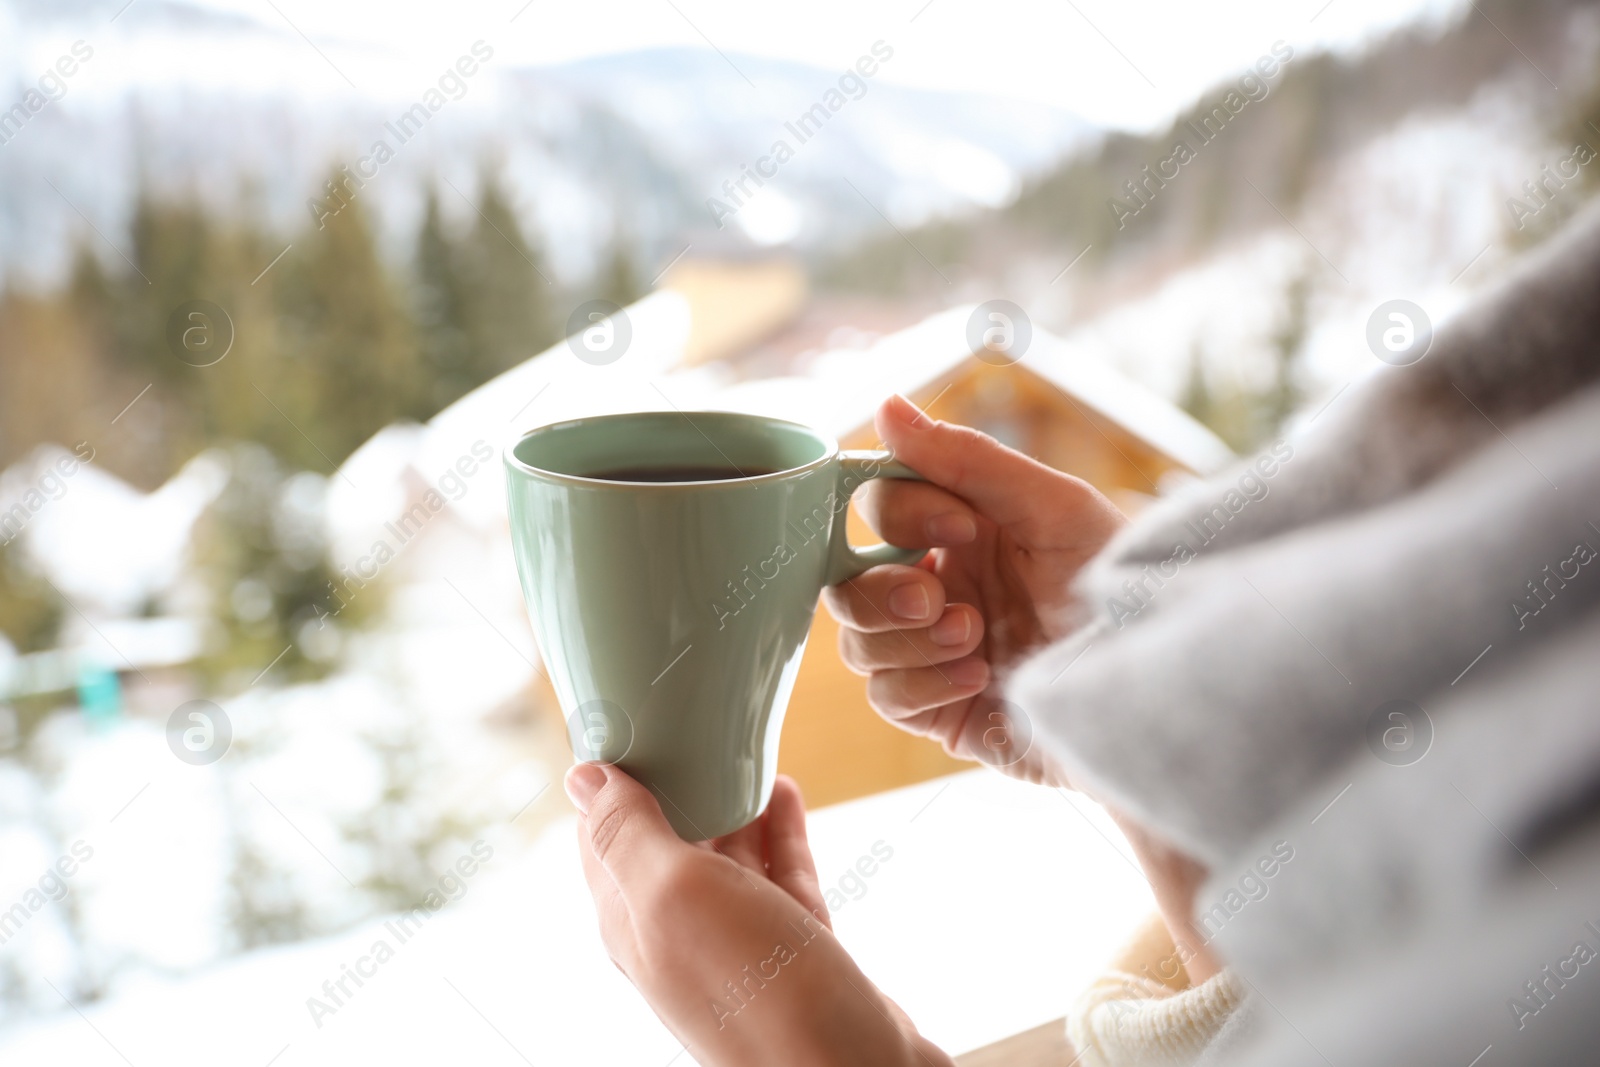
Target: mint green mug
[[671, 563]]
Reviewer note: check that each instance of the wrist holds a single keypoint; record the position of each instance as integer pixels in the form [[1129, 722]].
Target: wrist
[[924, 1053], [826, 1014], [1175, 877]]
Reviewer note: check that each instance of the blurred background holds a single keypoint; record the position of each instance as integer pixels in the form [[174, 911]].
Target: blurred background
[[278, 280]]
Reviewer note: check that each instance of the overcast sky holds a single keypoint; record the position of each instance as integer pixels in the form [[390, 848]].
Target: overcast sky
[[1114, 62]]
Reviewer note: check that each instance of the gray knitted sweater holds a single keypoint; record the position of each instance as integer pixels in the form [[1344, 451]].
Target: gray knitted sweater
[[1379, 643]]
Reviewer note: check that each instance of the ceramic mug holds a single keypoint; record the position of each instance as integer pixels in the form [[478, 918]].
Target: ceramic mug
[[671, 563]]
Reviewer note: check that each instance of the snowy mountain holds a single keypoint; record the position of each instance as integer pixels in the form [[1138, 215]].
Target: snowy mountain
[[238, 105]]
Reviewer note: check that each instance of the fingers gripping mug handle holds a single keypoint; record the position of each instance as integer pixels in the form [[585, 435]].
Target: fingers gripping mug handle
[[855, 469]]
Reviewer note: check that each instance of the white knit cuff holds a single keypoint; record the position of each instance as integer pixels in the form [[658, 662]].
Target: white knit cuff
[[1130, 1020]]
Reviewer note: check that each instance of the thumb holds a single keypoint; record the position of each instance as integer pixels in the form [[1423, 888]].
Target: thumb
[[1005, 486], [621, 821]]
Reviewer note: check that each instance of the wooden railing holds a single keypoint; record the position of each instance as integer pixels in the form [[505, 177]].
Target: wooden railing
[[1043, 1046]]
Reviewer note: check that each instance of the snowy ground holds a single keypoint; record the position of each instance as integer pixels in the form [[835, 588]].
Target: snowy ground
[[999, 902]]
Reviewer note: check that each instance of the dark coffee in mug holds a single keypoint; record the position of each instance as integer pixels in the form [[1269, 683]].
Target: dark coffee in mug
[[681, 474]]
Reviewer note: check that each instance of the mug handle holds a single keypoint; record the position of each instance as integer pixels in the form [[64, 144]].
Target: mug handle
[[845, 561]]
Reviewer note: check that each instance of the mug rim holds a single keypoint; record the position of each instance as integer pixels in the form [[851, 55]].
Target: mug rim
[[830, 451]]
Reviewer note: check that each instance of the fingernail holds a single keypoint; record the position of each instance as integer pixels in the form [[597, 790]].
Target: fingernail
[[952, 629], [952, 528], [582, 783], [909, 601], [968, 672], [906, 411]]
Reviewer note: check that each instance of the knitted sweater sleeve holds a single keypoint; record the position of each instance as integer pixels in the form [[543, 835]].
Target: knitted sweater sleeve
[[1135, 1015]]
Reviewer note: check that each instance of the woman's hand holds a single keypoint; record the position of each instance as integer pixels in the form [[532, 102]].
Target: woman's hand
[[1009, 534], [730, 941]]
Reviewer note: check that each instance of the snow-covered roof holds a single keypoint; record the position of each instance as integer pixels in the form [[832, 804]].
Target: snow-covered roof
[[105, 544], [838, 394], [1086, 377]]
